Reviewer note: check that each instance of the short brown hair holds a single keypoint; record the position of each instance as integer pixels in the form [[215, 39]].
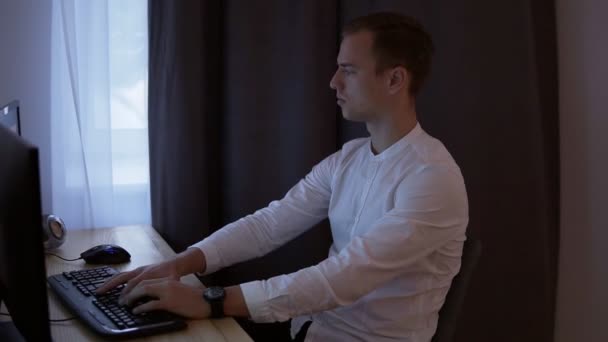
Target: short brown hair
[[398, 40]]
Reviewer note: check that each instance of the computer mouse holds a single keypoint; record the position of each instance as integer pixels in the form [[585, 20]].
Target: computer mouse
[[105, 254]]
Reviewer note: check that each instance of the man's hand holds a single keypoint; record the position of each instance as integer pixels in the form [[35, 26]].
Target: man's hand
[[166, 270], [172, 295], [189, 261]]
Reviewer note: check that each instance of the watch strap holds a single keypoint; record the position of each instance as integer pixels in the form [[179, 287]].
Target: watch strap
[[217, 309], [215, 297]]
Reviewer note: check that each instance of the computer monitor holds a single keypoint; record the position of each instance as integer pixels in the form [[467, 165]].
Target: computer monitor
[[22, 270], [9, 116]]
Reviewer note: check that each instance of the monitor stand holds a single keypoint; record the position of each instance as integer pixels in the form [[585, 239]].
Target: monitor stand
[[8, 331]]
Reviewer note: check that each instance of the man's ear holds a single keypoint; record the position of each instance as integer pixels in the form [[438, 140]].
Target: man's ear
[[399, 78]]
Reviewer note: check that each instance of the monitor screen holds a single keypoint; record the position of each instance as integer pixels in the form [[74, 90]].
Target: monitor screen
[[22, 270], [9, 117]]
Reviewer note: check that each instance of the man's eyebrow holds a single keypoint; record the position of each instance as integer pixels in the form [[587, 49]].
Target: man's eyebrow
[[346, 65]]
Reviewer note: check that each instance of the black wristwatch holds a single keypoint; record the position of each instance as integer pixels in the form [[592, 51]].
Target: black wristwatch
[[215, 295]]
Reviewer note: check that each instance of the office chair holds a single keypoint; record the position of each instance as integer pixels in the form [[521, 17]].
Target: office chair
[[448, 315]]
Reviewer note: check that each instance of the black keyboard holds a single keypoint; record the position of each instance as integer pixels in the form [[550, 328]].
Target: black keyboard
[[102, 313]]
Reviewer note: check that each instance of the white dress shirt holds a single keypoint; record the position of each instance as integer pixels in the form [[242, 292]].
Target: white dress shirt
[[398, 221]]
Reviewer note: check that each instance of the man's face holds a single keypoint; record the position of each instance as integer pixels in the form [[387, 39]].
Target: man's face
[[360, 91]]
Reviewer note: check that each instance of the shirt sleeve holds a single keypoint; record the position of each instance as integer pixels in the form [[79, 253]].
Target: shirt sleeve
[[255, 235], [429, 211]]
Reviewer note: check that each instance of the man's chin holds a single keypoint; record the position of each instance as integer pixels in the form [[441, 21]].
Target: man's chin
[[350, 116]]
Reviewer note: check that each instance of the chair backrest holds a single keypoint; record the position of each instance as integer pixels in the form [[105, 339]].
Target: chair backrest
[[448, 315]]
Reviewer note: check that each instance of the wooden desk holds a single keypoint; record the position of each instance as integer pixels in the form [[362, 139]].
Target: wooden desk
[[145, 246]]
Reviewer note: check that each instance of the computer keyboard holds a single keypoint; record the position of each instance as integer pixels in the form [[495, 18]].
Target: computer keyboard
[[102, 313]]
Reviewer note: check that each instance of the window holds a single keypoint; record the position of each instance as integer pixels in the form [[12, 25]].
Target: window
[[99, 116]]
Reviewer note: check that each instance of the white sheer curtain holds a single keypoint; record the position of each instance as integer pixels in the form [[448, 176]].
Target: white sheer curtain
[[99, 115]]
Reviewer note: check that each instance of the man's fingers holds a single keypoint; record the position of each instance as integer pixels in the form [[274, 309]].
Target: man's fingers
[[119, 278], [148, 306], [131, 284], [149, 287], [114, 281]]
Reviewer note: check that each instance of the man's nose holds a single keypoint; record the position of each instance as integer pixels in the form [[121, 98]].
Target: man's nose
[[333, 82]]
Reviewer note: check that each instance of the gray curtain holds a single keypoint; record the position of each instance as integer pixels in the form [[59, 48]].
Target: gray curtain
[[240, 109]]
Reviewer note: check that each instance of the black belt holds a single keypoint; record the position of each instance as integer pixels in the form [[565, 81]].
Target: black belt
[[301, 335]]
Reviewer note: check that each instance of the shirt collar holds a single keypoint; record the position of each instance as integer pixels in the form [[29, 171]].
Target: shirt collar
[[398, 146]]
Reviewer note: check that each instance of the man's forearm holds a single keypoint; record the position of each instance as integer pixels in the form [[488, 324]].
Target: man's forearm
[[191, 260], [234, 304]]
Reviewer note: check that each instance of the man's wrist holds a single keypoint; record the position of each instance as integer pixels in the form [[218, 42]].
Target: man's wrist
[[215, 296], [234, 304], [191, 260]]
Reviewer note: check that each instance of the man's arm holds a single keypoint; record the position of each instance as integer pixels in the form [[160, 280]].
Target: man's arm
[[302, 207], [428, 214]]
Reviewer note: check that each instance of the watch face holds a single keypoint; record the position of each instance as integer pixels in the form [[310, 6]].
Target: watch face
[[214, 292]]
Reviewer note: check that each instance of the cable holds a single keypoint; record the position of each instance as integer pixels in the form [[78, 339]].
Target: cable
[[61, 320], [50, 320], [62, 258]]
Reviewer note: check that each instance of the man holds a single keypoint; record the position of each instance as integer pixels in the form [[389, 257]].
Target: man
[[397, 207]]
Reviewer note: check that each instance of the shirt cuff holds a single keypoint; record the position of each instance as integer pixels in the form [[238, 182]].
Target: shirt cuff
[[212, 257], [255, 299]]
